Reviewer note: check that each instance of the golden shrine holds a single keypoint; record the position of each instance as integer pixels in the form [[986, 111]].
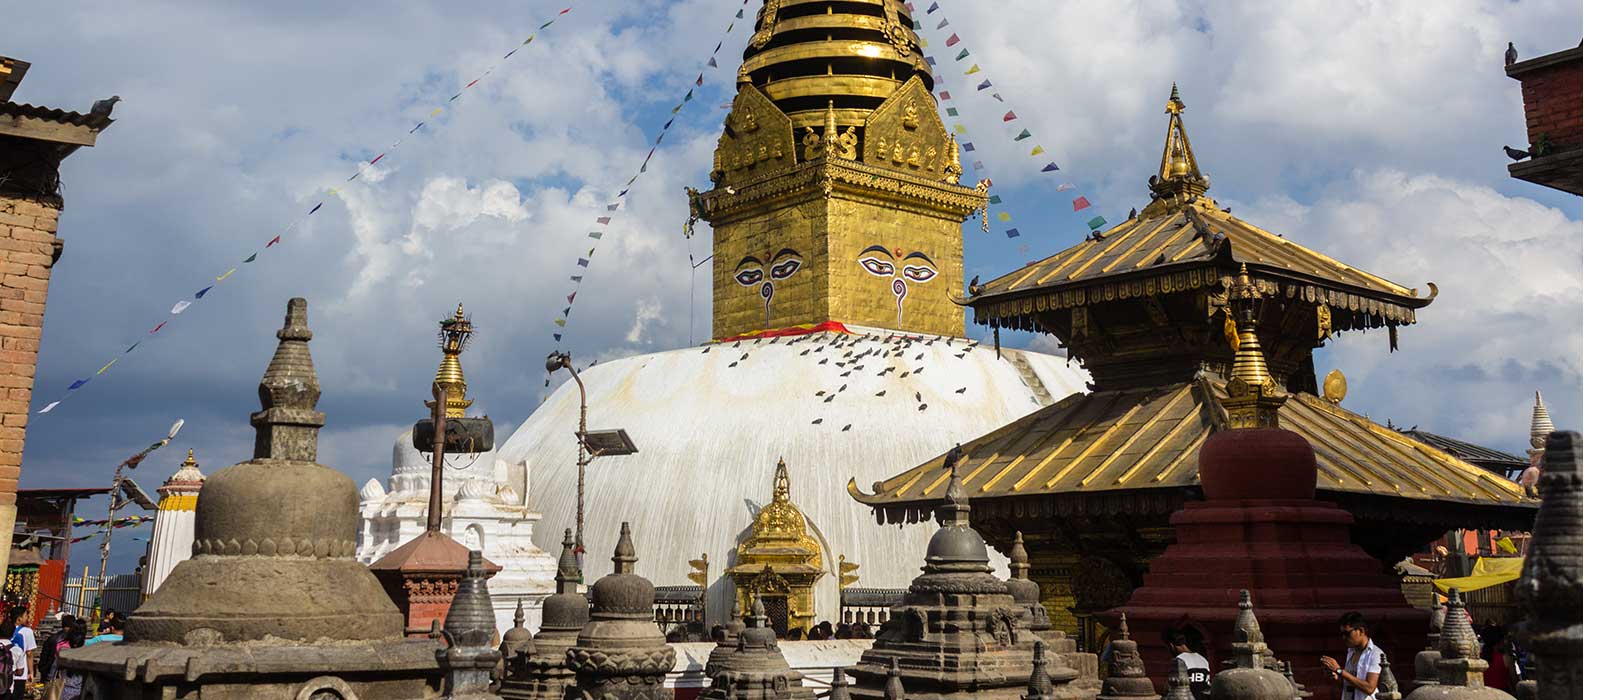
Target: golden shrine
[[778, 562], [1092, 479], [835, 188]]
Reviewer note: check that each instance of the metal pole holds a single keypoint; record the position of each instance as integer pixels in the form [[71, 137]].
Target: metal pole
[[105, 542], [436, 489], [583, 451]]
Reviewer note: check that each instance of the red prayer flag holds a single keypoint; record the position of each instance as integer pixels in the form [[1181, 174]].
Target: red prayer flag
[[952, 41], [274, 241], [1010, 116], [158, 326], [1080, 204], [474, 82], [558, 14]]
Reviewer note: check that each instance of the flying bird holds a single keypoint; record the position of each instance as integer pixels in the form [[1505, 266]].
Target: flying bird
[[917, 371], [919, 356], [903, 375], [823, 392], [962, 390], [881, 393], [744, 357], [923, 407], [1511, 53], [734, 363], [829, 399], [708, 349], [102, 108], [842, 387], [919, 396], [817, 422], [846, 428], [1515, 154]]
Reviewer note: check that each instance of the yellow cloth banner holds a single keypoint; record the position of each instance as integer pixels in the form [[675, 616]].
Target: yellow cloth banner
[[1488, 571]]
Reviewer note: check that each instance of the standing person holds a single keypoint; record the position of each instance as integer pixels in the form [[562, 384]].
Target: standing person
[[1362, 660], [14, 659], [64, 684], [47, 650], [23, 637], [1199, 667]]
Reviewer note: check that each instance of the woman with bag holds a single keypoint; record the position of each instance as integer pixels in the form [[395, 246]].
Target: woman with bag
[[64, 684]]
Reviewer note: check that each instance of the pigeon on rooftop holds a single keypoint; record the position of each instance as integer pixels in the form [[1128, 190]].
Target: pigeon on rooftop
[[102, 108]]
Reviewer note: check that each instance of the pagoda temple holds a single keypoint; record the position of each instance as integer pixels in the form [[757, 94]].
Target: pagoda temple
[[1091, 480]]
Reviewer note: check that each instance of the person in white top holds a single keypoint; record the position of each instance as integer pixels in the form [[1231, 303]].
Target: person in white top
[[1199, 668], [1362, 660]]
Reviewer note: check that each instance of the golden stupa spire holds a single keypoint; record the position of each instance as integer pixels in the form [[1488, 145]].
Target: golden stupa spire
[[1178, 173], [780, 483], [1253, 399], [454, 333]]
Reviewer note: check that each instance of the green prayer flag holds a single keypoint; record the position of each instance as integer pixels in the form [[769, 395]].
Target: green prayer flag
[[1097, 222], [251, 259], [994, 199], [962, 55], [1022, 135], [951, 111]]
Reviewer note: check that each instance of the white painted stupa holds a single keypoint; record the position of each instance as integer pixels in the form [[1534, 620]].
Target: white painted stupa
[[836, 211]]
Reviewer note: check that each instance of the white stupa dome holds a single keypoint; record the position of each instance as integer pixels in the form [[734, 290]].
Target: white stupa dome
[[710, 424]]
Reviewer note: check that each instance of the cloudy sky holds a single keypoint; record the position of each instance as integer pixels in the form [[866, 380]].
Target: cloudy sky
[[1369, 131]]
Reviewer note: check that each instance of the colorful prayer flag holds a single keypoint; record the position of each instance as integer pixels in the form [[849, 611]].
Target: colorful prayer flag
[[571, 296], [577, 278], [963, 55], [274, 241], [49, 408], [131, 347], [77, 384], [561, 322], [712, 62], [1005, 216], [179, 307], [454, 97], [558, 336], [985, 85], [1012, 233], [613, 206], [943, 23], [108, 366], [966, 147], [1097, 222], [944, 94], [227, 274], [1036, 150], [931, 62], [973, 69], [202, 293], [314, 209], [1080, 204], [1022, 135], [1063, 187], [583, 262], [994, 199], [960, 129], [740, 15], [1009, 117], [1052, 167], [952, 41], [605, 220], [997, 97], [932, 7], [595, 235], [977, 165], [938, 80], [700, 80], [374, 161], [566, 312], [952, 112], [158, 326]]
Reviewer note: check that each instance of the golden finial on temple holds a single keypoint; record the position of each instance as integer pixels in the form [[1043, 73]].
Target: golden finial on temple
[[1179, 174], [454, 335], [1253, 399]]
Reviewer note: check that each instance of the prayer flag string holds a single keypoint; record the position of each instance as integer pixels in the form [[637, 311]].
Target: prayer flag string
[[1080, 205], [183, 305], [603, 222]]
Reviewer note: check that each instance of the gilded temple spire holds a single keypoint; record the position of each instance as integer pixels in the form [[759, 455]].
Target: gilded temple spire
[[1178, 180], [1253, 399], [454, 334]]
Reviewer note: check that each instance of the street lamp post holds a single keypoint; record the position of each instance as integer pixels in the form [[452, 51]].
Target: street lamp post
[[591, 444]]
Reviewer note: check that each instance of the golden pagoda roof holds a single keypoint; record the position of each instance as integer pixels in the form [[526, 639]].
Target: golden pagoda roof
[[805, 53], [1150, 438], [1182, 240]]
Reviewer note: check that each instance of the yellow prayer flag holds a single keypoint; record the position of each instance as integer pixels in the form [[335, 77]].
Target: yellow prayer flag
[[108, 366], [961, 129], [227, 274], [437, 111], [1036, 150], [973, 69], [1005, 216]]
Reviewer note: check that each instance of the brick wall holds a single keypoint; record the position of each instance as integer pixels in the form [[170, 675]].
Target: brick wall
[[27, 244], [1553, 100]]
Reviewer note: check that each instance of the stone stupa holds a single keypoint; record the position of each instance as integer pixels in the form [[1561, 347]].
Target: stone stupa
[[273, 604], [757, 670]]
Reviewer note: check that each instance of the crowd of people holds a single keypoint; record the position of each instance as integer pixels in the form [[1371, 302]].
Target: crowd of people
[[33, 664]]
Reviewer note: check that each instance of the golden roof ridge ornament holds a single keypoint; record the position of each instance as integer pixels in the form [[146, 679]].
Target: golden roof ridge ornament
[[1253, 399], [1178, 180], [454, 334]]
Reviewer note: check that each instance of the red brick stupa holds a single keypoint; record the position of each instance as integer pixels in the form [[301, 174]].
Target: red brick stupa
[[1261, 528]]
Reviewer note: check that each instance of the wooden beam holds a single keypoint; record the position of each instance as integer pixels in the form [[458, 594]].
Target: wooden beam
[[44, 130]]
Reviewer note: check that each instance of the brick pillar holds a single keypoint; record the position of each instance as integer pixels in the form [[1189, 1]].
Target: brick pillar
[[28, 249]]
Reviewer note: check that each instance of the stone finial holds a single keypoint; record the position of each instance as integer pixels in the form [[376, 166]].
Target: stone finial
[[518, 637], [470, 621], [1457, 640], [1019, 558], [1246, 629], [1388, 687], [568, 576], [839, 689], [287, 424], [1126, 679], [1550, 592], [1255, 674], [1178, 682], [1039, 687], [893, 689], [955, 510], [1540, 428], [624, 557]]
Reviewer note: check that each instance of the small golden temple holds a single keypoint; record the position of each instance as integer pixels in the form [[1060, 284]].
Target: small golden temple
[[1092, 479], [778, 562]]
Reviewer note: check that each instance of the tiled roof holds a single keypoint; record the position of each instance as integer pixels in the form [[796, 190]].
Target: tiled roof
[[1468, 452], [1118, 441], [1165, 250], [59, 116]]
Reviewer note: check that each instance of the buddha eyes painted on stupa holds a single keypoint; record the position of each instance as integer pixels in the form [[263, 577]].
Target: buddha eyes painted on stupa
[[752, 271], [914, 266]]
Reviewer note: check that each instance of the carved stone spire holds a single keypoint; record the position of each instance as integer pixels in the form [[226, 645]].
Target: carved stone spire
[[470, 660], [1254, 675], [536, 668], [1019, 558], [757, 670], [568, 576], [1039, 686], [1540, 428], [620, 651], [623, 557], [1178, 682], [1388, 687], [287, 424], [1550, 592], [1126, 678]]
